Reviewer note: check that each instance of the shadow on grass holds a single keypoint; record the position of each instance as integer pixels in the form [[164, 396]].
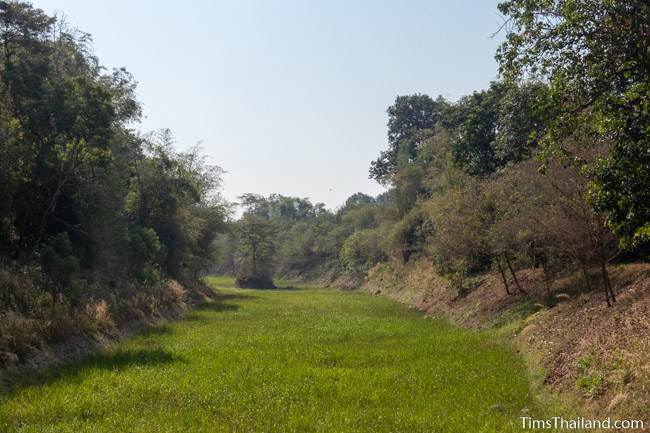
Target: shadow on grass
[[156, 330], [232, 296], [111, 360], [281, 289], [122, 359], [217, 307]]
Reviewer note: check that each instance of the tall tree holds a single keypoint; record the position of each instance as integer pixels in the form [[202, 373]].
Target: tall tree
[[406, 118], [502, 124], [596, 55]]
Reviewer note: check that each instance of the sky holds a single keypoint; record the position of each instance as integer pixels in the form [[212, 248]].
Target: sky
[[289, 97]]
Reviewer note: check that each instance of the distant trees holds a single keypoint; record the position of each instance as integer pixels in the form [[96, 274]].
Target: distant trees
[[290, 236]]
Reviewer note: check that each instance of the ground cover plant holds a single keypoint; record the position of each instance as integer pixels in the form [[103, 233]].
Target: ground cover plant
[[294, 359]]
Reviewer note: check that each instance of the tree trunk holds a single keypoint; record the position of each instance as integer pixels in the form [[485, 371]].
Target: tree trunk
[[585, 273], [54, 293], [609, 292], [503, 275], [50, 209], [514, 275], [532, 255], [254, 259], [547, 284]]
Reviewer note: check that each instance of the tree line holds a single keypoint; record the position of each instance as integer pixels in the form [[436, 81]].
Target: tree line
[[549, 167], [90, 209]]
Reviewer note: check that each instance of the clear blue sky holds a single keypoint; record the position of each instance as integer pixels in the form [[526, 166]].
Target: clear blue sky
[[289, 96]]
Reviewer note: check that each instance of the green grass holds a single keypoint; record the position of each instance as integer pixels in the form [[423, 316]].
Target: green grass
[[287, 360]]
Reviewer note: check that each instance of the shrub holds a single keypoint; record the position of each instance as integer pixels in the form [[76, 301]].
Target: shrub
[[409, 235], [362, 250], [590, 380], [250, 282], [60, 264], [144, 247], [18, 336]]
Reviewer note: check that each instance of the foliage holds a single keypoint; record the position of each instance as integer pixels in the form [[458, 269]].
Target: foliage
[[255, 251], [595, 54], [59, 262], [590, 380], [499, 125], [361, 250], [90, 211], [406, 117]]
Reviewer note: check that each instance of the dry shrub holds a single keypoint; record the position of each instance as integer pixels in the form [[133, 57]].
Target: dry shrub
[[174, 294], [9, 285], [143, 305], [98, 314], [61, 321], [18, 336]]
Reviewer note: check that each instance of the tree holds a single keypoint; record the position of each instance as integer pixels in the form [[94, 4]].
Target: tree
[[60, 264], [474, 120], [59, 110], [174, 194], [497, 126], [408, 184], [90, 210], [549, 211], [458, 241], [254, 268], [361, 250], [406, 117], [596, 56], [358, 199]]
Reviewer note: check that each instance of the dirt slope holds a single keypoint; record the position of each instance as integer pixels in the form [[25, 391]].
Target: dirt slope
[[592, 355]]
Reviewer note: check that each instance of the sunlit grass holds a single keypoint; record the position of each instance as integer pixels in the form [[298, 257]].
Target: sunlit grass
[[292, 360]]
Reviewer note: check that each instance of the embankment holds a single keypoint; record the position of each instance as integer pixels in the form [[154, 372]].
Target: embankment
[[593, 356]]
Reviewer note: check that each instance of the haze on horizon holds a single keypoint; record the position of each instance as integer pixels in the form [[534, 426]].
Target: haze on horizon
[[289, 97]]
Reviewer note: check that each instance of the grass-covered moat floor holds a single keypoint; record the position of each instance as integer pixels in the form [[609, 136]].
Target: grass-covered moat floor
[[286, 360]]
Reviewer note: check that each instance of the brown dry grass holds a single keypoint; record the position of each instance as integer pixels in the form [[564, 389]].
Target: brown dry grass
[[44, 331]]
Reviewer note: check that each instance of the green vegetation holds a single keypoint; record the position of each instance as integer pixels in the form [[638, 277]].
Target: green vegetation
[[547, 168], [92, 213], [254, 246], [286, 360], [590, 381], [100, 225]]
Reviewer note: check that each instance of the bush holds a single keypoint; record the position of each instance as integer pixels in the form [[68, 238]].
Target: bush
[[60, 264], [591, 380], [144, 248], [18, 336], [409, 236], [362, 250]]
